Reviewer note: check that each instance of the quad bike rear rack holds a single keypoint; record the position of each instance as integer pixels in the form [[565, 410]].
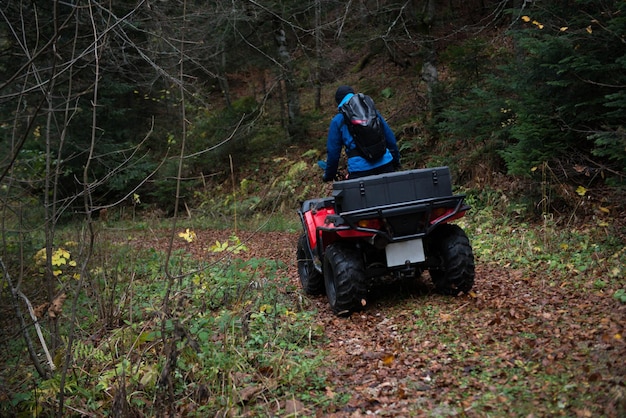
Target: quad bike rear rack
[[349, 220]]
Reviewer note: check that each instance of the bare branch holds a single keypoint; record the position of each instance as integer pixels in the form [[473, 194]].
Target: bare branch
[[29, 343]]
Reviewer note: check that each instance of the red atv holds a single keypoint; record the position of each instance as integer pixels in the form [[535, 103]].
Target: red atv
[[389, 224]]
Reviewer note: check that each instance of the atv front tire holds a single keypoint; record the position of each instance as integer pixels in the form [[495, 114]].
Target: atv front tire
[[312, 280], [344, 276], [454, 273]]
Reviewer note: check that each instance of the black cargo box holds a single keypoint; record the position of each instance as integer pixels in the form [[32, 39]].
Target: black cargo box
[[391, 188]]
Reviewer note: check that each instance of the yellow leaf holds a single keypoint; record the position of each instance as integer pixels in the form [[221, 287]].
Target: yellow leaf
[[218, 247], [188, 235], [388, 359], [72, 263], [76, 276], [525, 18], [533, 169], [618, 336], [57, 260], [265, 308], [57, 272], [62, 253], [581, 190], [589, 30], [564, 246], [603, 224], [603, 209], [40, 256], [564, 28]]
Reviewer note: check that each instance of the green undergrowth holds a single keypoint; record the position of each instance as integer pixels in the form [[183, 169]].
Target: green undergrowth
[[587, 254], [234, 337]]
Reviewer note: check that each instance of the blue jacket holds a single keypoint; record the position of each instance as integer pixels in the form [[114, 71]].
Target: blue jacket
[[339, 137]]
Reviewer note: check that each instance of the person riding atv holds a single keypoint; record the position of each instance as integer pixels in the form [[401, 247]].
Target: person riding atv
[[341, 136]]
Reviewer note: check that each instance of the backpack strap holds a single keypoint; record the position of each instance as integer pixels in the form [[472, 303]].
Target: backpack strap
[[355, 152]]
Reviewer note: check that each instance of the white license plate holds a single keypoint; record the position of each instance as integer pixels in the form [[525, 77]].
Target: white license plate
[[398, 253]]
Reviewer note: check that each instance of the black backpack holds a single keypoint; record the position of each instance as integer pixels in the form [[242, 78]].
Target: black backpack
[[365, 126]]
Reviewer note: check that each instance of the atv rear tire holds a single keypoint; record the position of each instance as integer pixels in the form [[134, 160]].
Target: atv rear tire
[[344, 276], [312, 280], [455, 271]]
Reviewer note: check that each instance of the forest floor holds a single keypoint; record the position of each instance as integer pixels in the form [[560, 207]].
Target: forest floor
[[520, 344]]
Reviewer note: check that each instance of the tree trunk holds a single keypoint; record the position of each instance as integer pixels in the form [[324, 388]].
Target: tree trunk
[[223, 81], [429, 72], [318, 55], [291, 92]]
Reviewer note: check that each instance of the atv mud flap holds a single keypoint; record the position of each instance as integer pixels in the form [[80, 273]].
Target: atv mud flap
[[405, 253]]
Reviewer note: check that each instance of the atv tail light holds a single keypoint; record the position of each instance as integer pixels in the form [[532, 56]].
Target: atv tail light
[[438, 213], [369, 223]]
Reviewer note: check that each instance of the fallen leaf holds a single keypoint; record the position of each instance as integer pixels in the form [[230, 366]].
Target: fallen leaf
[[294, 407], [56, 307], [39, 310], [388, 359], [583, 413], [594, 377], [248, 393]]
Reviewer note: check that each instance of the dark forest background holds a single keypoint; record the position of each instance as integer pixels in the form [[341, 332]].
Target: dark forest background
[[103, 98]]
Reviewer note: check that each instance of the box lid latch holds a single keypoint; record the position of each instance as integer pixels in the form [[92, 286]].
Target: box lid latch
[[435, 179], [362, 188]]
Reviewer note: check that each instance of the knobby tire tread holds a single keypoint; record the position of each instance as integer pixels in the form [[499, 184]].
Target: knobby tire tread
[[458, 271], [312, 280], [344, 272]]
